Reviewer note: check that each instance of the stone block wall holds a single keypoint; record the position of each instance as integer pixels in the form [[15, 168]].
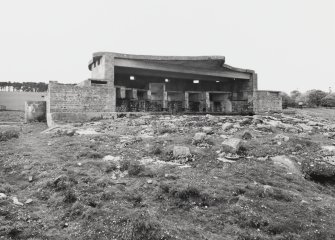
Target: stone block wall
[[76, 103], [264, 101]]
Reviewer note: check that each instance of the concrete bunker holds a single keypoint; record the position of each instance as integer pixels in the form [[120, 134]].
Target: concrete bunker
[[171, 84]]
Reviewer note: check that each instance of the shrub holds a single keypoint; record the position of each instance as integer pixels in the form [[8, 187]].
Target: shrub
[[328, 101], [70, 197]]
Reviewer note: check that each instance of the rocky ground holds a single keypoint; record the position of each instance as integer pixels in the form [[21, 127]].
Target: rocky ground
[[169, 177]]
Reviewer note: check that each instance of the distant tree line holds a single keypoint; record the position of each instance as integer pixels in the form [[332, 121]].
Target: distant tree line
[[311, 98], [24, 87]]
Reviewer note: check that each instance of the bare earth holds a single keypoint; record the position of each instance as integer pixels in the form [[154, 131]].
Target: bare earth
[[119, 179]]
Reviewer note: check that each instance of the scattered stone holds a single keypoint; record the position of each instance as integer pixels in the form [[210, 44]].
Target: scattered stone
[[29, 200], [264, 128], [305, 127], [149, 181], [247, 135], [181, 151], [231, 145], [282, 137], [200, 136], [2, 196], [312, 123], [111, 158], [227, 126], [246, 121], [70, 132], [113, 176], [208, 130], [225, 160], [285, 162], [224, 136], [16, 201], [329, 148]]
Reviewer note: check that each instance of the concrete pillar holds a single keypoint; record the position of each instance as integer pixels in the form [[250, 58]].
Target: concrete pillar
[[165, 100], [134, 94], [186, 101], [122, 92], [207, 101], [35, 111], [227, 105]]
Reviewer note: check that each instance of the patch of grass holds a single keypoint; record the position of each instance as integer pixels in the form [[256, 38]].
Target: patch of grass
[[90, 154], [8, 134]]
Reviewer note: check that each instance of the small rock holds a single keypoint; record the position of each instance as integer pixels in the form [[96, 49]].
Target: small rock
[[286, 163], [329, 148], [29, 200], [281, 137], [227, 126], [231, 145], [224, 136], [208, 130], [30, 178], [70, 132], [247, 135], [149, 181], [16, 201], [200, 136], [2, 196], [305, 127], [225, 160], [111, 158], [181, 151], [264, 128], [113, 176], [79, 164]]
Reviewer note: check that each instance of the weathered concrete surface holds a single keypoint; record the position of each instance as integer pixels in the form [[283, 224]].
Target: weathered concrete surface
[[35, 111]]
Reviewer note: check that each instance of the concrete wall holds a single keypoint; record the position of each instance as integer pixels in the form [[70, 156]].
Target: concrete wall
[[74, 103], [98, 70], [16, 100], [264, 101]]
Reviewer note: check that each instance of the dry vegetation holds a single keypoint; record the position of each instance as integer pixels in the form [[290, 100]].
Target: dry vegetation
[[142, 191]]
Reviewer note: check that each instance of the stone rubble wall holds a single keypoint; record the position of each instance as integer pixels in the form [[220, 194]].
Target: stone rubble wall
[[264, 101], [78, 103]]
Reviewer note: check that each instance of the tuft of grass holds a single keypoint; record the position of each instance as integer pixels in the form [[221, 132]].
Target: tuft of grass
[[8, 134]]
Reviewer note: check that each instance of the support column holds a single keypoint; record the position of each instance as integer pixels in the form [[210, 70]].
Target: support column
[[186, 101], [207, 101], [122, 92]]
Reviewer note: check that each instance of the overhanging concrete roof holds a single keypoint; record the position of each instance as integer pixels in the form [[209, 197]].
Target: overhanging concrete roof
[[211, 63]]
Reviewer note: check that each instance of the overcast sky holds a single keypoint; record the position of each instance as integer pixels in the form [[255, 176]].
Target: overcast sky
[[289, 43]]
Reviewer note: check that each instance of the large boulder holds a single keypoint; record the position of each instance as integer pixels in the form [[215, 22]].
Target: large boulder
[[231, 145], [181, 151]]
